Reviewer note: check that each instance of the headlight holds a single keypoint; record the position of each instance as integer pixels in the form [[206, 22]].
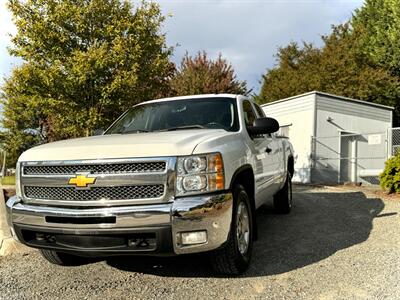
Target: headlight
[[199, 174], [17, 180]]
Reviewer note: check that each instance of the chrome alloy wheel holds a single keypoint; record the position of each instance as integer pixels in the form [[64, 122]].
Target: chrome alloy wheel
[[242, 228]]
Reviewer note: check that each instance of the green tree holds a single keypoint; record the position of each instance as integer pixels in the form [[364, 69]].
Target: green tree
[[379, 24], [294, 73], [389, 179], [84, 63], [201, 75], [338, 67]]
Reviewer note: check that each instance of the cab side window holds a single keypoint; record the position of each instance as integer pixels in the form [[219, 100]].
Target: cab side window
[[249, 115], [260, 112]]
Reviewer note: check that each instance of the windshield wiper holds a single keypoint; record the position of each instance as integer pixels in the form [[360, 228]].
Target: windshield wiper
[[184, 127], [135, 131]]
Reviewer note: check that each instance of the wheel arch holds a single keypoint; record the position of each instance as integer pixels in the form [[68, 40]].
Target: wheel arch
[[245, 176]]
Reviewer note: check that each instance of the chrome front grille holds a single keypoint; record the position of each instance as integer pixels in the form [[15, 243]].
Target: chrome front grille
[[116, 182], [95, 193], [112, 168]]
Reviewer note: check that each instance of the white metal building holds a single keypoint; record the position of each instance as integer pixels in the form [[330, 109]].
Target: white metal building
[[336, 139]]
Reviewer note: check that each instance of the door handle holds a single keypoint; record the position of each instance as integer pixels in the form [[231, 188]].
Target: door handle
[[268, 150]]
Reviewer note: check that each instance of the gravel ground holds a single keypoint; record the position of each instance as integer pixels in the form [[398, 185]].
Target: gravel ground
[[336, 244]]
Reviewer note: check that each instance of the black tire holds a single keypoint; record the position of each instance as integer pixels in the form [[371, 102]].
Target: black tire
[[283, 200], [62, 259], [228, 259]]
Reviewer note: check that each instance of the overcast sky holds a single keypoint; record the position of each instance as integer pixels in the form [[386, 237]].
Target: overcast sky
[[245, 32]]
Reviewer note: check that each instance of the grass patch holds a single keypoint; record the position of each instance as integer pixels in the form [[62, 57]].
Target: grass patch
[[8, 180]]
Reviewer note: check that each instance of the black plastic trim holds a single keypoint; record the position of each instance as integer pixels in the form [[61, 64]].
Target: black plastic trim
[[163, 237], [237, 172], [81, 220]]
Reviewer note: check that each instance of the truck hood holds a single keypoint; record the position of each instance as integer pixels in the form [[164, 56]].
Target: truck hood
[[148, 144]]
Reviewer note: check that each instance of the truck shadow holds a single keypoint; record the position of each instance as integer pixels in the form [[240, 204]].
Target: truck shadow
[[320, 224]]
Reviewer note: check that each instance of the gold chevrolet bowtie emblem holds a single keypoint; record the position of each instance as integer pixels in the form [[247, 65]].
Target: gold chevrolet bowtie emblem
[[81, 180]]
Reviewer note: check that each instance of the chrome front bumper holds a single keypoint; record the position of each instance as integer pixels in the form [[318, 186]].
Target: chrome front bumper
[[211, 213]]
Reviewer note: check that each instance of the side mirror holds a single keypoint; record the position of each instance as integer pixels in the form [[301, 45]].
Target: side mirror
[[98, 131], [263, 126]]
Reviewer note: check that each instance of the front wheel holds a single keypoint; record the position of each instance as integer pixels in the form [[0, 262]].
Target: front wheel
[[234, 257], [62, 259]]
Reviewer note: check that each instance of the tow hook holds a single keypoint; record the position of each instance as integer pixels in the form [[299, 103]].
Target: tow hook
[[140, 243]]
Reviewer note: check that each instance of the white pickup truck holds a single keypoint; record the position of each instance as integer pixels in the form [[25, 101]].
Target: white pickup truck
[[169, 177]]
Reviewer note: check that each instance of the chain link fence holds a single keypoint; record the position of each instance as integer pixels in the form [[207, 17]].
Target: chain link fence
[[349, 157], [394, 139]]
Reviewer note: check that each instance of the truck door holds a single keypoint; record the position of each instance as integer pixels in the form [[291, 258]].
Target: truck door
[[259, 146], [274, 158]]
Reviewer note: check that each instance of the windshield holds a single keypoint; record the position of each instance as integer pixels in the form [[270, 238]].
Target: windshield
[[209, 113]]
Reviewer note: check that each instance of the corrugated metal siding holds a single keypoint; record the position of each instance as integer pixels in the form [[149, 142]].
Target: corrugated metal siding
[[290, 107], [349, 108]]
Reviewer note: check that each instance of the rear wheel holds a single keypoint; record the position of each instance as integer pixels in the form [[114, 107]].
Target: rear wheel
[[234, 257], [283, 200], [62, 259]]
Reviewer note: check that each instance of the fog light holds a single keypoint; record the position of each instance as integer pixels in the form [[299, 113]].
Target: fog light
[[194, 237]]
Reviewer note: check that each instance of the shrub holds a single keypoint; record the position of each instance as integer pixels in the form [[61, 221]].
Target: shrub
[[390, 177]]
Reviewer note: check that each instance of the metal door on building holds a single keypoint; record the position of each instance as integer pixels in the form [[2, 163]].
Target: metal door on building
[[345, 152], [348, 154]]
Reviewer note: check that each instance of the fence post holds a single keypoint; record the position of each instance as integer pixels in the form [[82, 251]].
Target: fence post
[[311, 161], [339, 157], [354, 160], [389, 143], [3, 167]]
